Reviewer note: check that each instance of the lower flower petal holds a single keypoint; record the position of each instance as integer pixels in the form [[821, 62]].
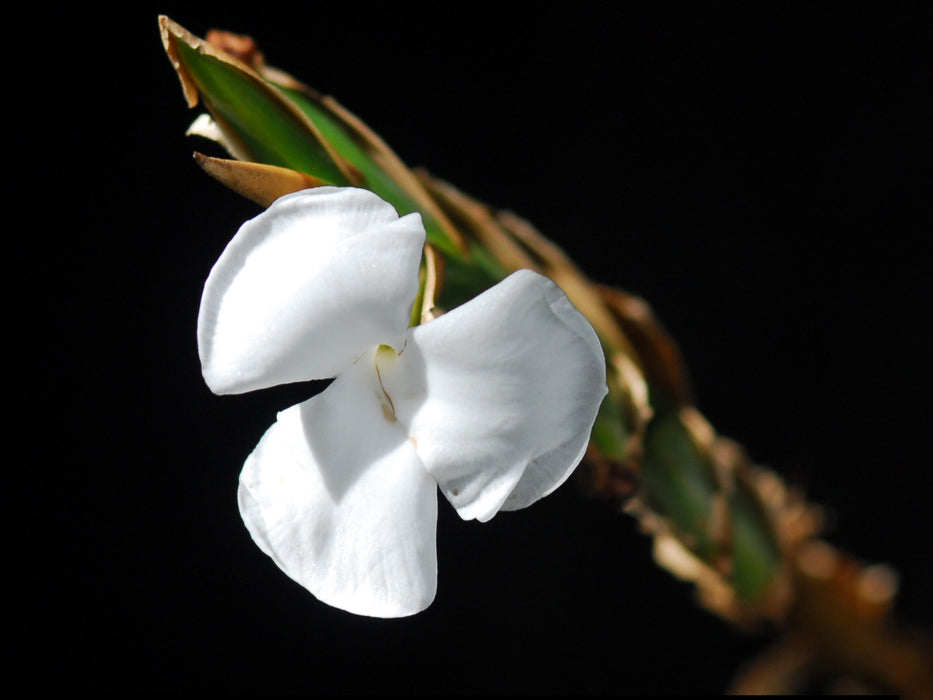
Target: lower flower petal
[[500, 394], [337, 496]]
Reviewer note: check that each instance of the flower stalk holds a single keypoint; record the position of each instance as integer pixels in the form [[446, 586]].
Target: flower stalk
[[750, 544]]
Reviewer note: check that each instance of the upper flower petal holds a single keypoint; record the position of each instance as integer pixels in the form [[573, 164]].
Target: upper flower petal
[[307, 286], [500, 394], [336, 495]]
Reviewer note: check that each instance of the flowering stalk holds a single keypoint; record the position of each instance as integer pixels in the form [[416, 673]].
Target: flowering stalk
[[733, 528]]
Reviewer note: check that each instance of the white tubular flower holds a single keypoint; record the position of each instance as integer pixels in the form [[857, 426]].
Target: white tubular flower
[[493, 402]]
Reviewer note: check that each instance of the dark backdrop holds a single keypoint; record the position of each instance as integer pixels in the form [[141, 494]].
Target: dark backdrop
[[762, 179]]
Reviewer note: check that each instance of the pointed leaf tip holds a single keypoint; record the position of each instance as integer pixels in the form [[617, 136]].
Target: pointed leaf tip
[[261, 183], [172, 32], [257, 116]]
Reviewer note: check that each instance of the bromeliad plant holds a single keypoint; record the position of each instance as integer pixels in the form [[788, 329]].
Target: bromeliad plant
[[440, 319]]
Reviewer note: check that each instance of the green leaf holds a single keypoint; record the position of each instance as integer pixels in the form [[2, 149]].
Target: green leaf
[[376, 168], [264, 124], [756, 557], [611, 433], [678, 482]]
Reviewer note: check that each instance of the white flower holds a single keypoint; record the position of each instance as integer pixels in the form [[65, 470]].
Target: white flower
[[493, 402]]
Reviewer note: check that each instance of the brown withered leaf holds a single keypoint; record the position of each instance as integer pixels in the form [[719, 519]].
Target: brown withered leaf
[[661, 358], [477, 221], [261, 183], [841, 634]]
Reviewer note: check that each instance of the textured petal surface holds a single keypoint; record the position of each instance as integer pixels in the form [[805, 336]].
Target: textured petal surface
[[306, 287], [337, 496], [500, 394]]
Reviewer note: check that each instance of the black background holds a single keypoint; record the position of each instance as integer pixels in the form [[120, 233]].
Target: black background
[[761, 178]]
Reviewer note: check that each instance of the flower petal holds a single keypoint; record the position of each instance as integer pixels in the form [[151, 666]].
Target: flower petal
[[336, 495], [500, 394], [307, 286]]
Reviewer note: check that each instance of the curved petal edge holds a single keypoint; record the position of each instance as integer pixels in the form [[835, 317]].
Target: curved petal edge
[[307, 286], [335, 494], [500, 394]]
